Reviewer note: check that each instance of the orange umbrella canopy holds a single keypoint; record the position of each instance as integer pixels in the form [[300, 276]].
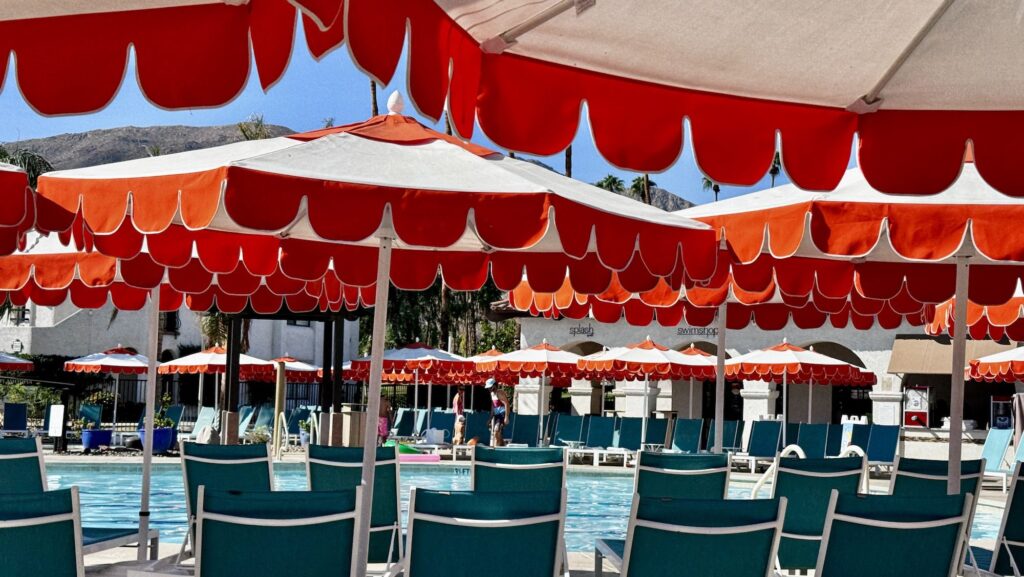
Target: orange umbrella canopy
[[417, 362], [1004, 367], [214, 360], [798, 365], [539, 361], [119, 360], [648, 359]]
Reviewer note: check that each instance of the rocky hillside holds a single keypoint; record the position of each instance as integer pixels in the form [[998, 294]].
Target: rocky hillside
[[128, 142]]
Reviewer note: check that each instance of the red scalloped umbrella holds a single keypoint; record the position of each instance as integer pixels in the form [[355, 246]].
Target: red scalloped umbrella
[[116, 361], [785, 362], [983, 321], [648, 360], [213, 361], [13, 363], [549, 363], [1004, 367]]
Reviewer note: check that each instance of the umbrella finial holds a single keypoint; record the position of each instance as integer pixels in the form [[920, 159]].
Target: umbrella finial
[[396, 104]]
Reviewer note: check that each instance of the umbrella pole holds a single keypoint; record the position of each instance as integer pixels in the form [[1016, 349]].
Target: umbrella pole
[[147, 443], [199, 396], [647, 409], [810, 397], [380, 319], [280, 386], [720, 380], [430, 403], [785, 409], [540, 411], [956, 385], [691, 396], [416, 388], [117, 388]]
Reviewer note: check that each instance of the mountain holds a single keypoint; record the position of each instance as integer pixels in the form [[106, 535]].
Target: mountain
[[660, 197], [128, 142]]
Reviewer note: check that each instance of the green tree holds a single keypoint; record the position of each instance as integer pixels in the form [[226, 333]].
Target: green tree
[[640, 188], [708, 184], [775, 168], [33, 164], [611, 183], [254, 128]]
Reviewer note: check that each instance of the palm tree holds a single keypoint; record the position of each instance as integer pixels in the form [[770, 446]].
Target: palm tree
[[329, 122], [708, 184], [33, 164], [611, 183], [640, 188], [776, 168], [568, 161], [373, 99], [254, 128]]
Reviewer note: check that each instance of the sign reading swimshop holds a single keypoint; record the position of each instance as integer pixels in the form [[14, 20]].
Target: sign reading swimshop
[[582, 330], [697, 332]]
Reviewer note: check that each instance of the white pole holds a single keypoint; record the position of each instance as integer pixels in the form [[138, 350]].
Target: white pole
[[720, 380], [380, 319], [810, 397], [147, 445], [199, 400], [956, 385], [416, 388], [785, 409], [472, 390], [647, 410], [430, 402], [691, 396], [540, 411], [117, 388]]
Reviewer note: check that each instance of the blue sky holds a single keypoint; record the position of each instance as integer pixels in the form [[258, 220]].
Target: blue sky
[[309, 92]]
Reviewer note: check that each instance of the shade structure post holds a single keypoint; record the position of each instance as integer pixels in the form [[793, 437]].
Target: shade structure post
[[280, 385], [337, 362], [199, 394], [690, 404], [380, 319], [956, 384], [153, 342], [810, 397], [785, 407], [327, 381], [720, 380]]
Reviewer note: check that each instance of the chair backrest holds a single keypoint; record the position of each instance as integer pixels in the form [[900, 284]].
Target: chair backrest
[[260, 534], [174, 413], [204, 419], [405, 420], [1010, 539], [729, 432], [296, 416], [444, 422], [834, 440], [686, 435], [657, 430], [341, 469], [224, 468], [860, 435], [682, 476], [883, 443], [807, 484], [812, 438], [994, 450], [707, 537], [22, 469], [41, 534], [476, 427], [628, 434], [886, 535], [245, 415], [764, 438], [601, 432], [421, 421], [568, 428], [525, 430], [792, 434], [517, 470], [528, 526], [264, 417], [929, 478], [15, 417], [91, 413]]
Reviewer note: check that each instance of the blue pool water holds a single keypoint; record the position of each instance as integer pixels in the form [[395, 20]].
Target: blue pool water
[[598, 504]]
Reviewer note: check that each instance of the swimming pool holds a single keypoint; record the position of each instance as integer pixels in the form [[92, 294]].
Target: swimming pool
[[598, 504]]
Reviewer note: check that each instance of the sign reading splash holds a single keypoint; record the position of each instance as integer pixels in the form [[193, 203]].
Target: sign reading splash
[[582, 330]]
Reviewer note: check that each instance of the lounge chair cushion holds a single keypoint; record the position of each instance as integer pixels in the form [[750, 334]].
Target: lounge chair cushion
[[48, 549], [655, 477]]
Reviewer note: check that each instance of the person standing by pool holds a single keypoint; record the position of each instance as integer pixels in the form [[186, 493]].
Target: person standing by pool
[[383, 421], [459, 408], [499, 412]]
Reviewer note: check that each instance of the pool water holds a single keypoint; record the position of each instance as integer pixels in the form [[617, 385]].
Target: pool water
[[598, 504]]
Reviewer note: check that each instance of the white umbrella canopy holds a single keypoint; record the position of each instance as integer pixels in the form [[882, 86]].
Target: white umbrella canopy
[[117, 361], [909, 79], [13, 363], [214, 360]]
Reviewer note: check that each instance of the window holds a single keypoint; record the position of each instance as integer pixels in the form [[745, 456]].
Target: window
[[170, 323], [19, 316], [298, 323]]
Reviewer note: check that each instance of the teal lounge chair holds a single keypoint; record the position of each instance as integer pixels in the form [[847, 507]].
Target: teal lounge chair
[[882, 445], [341, 469], [420, 422], [517, 470], [732, 436], [886, 536], [524, 431], [657, 430], [628, 434], [245, 416], [682, 476], [444, 422], [812, 439], [40, 535], [1008, 554], [291, 423], [695, 537], [860, 436], [270, 534], [405, 420], [568, 431], [763, 444], [15, 420], [205, 419], [528, 525], [477, 427], [686, 435], [807, 485], [264, 417], [23, 472], [997, 442], [834, 440], [929, 478], [222, 467], [92, 414], [791, 436]]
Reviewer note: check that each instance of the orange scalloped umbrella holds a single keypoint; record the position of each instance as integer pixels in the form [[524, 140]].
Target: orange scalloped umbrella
[[117, 361], [1003, 367]]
